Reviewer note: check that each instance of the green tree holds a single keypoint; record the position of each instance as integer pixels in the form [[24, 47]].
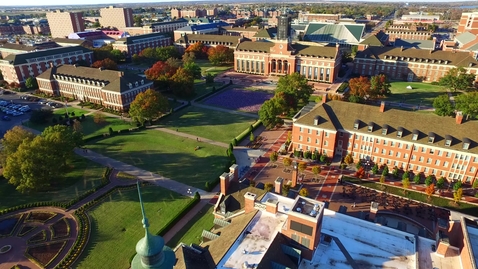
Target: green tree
[[274, 156], [193, 68], [296, 86], [375, 169], [96, 24], [385, 171], [457, 79], [416, 179], [268, 114], [148, 105], [138, 20], [443, 106], [189, 57], [379, 86], [457, 185], [428, 180], [117, 55], [12, 139], [468, 104], [63, 140], [31, 83], [441, 183]]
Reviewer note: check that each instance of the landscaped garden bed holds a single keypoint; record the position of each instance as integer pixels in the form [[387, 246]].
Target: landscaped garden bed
[[39, 237], [25, 229], [60, 229], [8, 225], [240, 99], [44, 254], [40, 216]]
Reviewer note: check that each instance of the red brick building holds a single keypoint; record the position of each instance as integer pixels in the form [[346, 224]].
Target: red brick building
[[416, 142], [19, 67], [412, 64], [408, 32], [468, 23], [111, 89], [281, 57], [135, 44]]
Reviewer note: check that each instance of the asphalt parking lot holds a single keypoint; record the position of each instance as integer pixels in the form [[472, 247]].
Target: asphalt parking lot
[[16, 120]]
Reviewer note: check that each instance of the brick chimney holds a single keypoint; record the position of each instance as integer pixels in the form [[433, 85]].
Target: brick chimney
[[272, 206], [382, 106], [337, 46], [249, 200], [324, 98], [401, 48], [224, 180], [459, 117], [278, 185]]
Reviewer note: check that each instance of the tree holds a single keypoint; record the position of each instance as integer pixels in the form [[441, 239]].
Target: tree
[[160, 70], [138, 20], [63, 140], [148, 105], [430, 190], [406, 183], [382, 179], [406, 175], [193, 68], [99, 118], [323, 158], [268, 187], [296, 86], [385, 171], [302, 166], [360, 86], [31, 83], [416, 179], [379, 86], [12, 139], [198, 50], [189, 57], [304, 192], [117, 55], [443, 106], [457, 79], [468, 104], [136, 58], [174, 62], [182, 83], [428, 180], [457, 185], [395, 172], [268, 114], [274, 156], [316, 170], [349, 159], [457, 195], [287, 162], [375, 169], [105, 64], [441, 183], [220, 54]]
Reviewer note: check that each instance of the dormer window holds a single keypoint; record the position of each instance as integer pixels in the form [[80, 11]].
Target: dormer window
[[399, 132], [370, 127], [356, 124], [466, 143], [415, 135], [448, 140], [385, 129], [431, 137]]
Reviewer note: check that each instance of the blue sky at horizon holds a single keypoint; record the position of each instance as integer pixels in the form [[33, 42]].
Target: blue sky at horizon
[[109, 2]]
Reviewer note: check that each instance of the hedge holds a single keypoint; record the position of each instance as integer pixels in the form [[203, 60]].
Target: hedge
[[343, 87], [204, 96], [247, 132], [119, 132]]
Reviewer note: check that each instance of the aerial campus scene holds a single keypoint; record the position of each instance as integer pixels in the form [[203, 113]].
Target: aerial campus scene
[[195, 135]]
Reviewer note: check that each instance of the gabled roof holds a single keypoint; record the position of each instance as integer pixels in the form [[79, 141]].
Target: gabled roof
[[241, 29], [458, 58], [266, 33], [132, 39], [465, 38], [23, 58], [334, 33], [198, 27], [314, 50], [192, 38], [417, 44], [372, 41], [335, 115], [169, 22], [115, 81], [256, 46]]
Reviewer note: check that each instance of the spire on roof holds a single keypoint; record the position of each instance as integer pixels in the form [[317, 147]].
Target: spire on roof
[[145, 219]]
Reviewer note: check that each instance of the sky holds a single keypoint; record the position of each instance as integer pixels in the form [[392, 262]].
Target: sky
[[89, 2]]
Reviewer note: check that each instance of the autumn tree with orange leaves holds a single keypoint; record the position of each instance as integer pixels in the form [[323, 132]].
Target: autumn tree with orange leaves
[[220, 54], [148, 105], [182, 83], [105, 64], [430, 190], [199, 50], [360, 87]]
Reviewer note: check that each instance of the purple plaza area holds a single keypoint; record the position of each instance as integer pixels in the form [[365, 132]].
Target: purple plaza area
[[239, 99]]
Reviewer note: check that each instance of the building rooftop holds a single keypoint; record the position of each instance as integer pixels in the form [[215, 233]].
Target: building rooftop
[[188, 38], [314, 50], [369, 245], [24, 58], [335, 115], [465, 38], [255, 46], [137, 38], [334, 33], [416, 44]]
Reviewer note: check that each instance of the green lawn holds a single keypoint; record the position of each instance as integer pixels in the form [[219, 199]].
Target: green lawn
[[89, 127], [116, 225], [422, 93], [191, 233], [419, 196], [168, 155], [83, 176], [208, 123], [208, 67]]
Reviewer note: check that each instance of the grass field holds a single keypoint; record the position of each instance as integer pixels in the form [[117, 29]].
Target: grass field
[[168, 155], [208, 123], [84, 175], [116, 225], [422, 93], [89, 127], [208, 67], [191, 232]]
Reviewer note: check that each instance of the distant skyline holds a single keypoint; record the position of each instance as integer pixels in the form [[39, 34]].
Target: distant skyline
[[112, 2]]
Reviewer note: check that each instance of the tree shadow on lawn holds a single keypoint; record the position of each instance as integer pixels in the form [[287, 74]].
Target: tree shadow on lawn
[[193, 168], [426, 98]]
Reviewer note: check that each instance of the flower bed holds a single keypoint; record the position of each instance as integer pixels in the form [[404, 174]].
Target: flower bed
[[8, 225], [60, 229], [39, 237], [25, 229], [40, 216], [44, 254], [240, 99]]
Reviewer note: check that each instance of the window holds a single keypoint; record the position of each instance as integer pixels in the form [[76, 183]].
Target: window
[[305, 242], [407, 146], [300, 129], [356, 126], [415, 148], [423, 149], [466, 145], [300, 138], [414, 157], [384, 131], [398, 155], [341, 134], [432, 151], [399, 145], [429, 160], [448, 154], [325, 143], [437, 162], [405, 156], [295, 237], [445, 164], [421, 159], [308, 139], [370, 129], [309, 131], [383, 151], [390, 153], [415, 137], [377, 141], [316, 141], [326, 134], [317, 132]]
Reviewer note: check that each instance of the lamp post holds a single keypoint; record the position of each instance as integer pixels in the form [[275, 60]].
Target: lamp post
[[294, 174]]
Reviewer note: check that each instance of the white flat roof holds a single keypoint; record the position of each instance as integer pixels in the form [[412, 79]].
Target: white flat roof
[[284, 204], [252, 245], [430, 259], [473, 235], [369, 244]]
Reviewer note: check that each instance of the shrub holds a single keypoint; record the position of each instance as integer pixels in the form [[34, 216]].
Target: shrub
[[441, 183], [304, 192], [416, 179], [406, 183], [475, 184], [307, 154], [395, 172], [316, 170], [349, 159], [406, 175], [382, 179], [296, 153], [285, 189], [375, 169], [268, 187], [274, 156], [428, 180], [323, 158], [358, 165], [457, 185], [385, 171]]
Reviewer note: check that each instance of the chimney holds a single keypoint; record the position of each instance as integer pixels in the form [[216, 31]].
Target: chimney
[[52, 65], [401, 48], [459, 117], [382, 106], [120, 74], [224, 181], [272, 206], [234, 172], [337, 46], [249, 200], [324, 98], [278, 185]]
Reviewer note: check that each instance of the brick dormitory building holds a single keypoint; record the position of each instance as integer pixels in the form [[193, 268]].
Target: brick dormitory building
[[421, 143], [112, 89], [135, 44]]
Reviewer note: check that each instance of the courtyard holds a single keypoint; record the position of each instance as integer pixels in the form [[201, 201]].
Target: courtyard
[[419, 94]]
